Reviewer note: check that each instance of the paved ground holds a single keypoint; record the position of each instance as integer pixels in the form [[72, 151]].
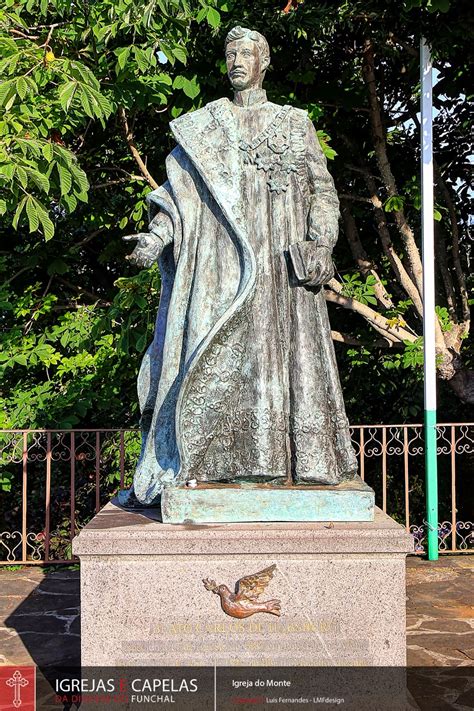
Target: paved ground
[[440, 611], [39, 617], [440, 632], [39, 620]]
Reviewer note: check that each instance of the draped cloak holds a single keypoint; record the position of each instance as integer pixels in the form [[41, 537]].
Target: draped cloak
[[240, 383]]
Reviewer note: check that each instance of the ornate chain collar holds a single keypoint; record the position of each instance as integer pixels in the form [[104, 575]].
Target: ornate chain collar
[[274, 158]]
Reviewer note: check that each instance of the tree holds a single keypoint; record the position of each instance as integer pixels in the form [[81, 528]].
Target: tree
[[356, 69], [87, 95]]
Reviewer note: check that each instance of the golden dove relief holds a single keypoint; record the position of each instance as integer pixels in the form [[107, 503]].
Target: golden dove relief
[[244, 601]]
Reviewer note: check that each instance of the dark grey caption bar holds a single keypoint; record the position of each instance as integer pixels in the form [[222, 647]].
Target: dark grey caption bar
[[259, 688]]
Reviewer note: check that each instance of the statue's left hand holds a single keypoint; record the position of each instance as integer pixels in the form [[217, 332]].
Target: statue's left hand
[[312, 263], [147, 249], [321, 268]]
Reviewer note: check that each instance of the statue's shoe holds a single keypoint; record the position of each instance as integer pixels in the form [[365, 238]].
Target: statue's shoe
[[128, 500]]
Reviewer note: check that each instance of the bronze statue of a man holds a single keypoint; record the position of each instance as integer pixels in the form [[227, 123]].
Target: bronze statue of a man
[[240, 383]]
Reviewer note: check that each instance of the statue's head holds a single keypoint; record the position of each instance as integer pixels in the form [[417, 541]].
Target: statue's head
[[247, 56]]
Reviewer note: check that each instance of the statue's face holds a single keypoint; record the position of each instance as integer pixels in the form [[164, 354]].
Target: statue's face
[[245, 68]]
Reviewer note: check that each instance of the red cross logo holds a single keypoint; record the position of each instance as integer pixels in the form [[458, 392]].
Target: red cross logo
[[17, 681], [17, 688]]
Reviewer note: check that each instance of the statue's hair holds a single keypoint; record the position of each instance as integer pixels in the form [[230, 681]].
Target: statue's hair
[[240, 32]]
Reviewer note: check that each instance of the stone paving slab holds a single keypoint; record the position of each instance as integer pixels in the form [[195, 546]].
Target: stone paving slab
[[440, 611], [39, 617]]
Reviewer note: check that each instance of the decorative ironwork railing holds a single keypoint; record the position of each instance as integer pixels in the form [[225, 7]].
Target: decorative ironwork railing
[[53, 481]]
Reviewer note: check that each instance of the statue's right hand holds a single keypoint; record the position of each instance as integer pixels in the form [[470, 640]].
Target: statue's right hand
[[147, 249]]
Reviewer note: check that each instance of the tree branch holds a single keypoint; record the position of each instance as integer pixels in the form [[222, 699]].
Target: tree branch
[[81, 290], [117, 181], [353, 341], [362, 109], [466, 314], [22, 35], [399, 270], [354, 198], [442, 264], [360, 256], [31, 320], [90, 237], [394, 333], [133, 149], [20, 271], [413, 254], [358, 168], [393, 39]]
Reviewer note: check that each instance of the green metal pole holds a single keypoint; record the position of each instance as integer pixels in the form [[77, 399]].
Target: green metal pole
[[431, 466], [429, 313]]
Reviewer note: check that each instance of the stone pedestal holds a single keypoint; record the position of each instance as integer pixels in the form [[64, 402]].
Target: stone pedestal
[[143, 602]]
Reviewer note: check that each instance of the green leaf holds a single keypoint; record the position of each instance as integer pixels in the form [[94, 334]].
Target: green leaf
[[148, 13], [122, 55], [70, 201], [8, 170], [47, 150], [213, 17], [83, 74], [141, 59], [18, 211], [394, 203], [164, 79], [22, 175], [32, 214], [80, 178], [45, 220], [8, 64], [40, 180], [324, 139], [179, 82], [95, 104], [21, 87], [65, 179], [7, 88], [66, 94], [438, 5], [90, 107], [58, 266], [141, 342], [167, 51], [191, 87], [329, 152], [180, 54]]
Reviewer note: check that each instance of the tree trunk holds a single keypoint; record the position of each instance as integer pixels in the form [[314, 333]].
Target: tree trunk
[[463, 385]]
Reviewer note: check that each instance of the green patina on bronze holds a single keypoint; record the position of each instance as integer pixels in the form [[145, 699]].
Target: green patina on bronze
[[240, 384], [349, 501]]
